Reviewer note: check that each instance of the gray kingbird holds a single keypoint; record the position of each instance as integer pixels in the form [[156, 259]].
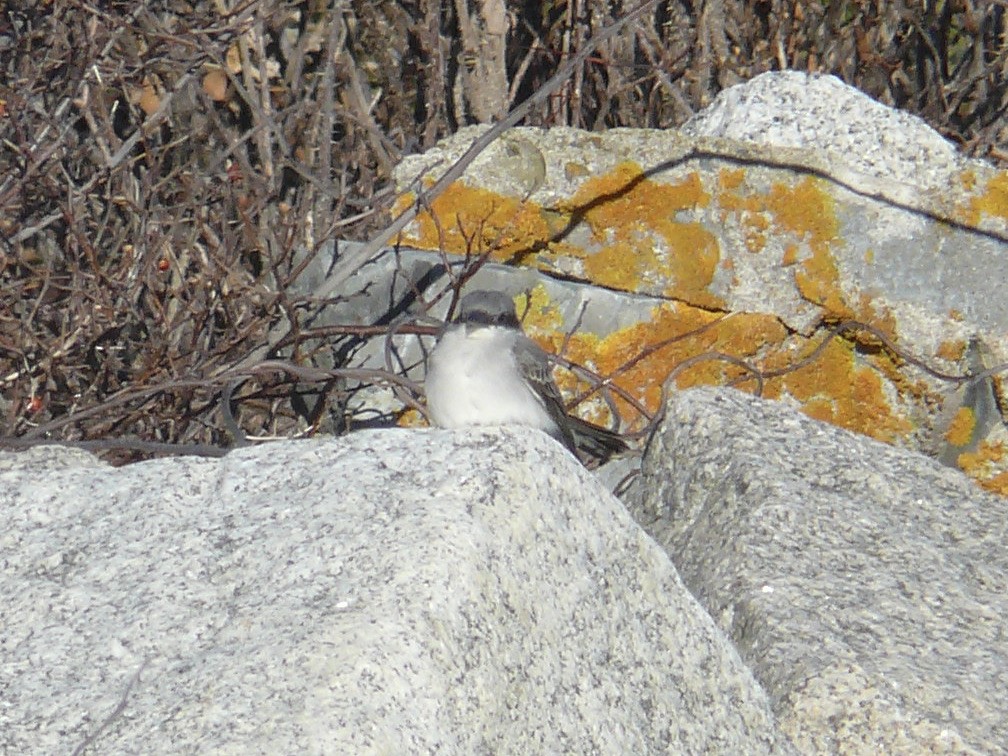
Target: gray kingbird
[[485, 371]]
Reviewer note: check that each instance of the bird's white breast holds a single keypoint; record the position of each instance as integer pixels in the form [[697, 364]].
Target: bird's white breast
[[473, 379]]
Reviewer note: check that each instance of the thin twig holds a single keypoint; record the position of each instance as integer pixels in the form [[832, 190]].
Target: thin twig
[[353, 261], [115, 713]]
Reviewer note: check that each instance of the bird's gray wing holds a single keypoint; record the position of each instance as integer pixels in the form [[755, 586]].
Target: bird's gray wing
[[589, 442], [534, 365]]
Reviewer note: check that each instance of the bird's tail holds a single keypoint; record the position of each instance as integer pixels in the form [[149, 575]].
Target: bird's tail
[[593, 442]]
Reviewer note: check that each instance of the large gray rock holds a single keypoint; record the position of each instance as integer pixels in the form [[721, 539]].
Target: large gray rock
[[793, 201], [905, 220], [390, 591], [819, 112], [866, 586]]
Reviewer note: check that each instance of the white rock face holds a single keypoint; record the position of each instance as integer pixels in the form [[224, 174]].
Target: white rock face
[[866, 586], [815, 111], [818, 204], [390, 591]]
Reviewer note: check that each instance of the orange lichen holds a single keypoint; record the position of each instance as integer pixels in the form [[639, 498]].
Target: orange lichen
[[822, 410], [986, 453], [986, 466], [748, 210], [693, 260], [633, 219], [465, 219], [538, 312], [641, 357], [877, 352], [997, 484], [952, 351], [756, 227], [840, 385], [626, 196], [960, 430], [836, 389], [640, 244], [993, 200], [620, 352], [806, 210], [411, 418], [621, 264], [730, 180], [818, 281], [827, 375], [868, 407]]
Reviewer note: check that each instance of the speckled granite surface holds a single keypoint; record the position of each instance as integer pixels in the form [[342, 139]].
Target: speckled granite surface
[[866, 586], [388, 592]]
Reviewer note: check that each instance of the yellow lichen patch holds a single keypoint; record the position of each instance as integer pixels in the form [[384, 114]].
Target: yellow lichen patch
[[960, 430], [749, 210], [952, 351], [756, 228], [730, 180], [790, 256], [755, 242], [686, 269], [404, 200], [993, 200], [870, 311], [744, 336], [835, 388], [986, 453], [621, 264], [878, 321], [877, 354], [632, 217], [574, 170], [828, 374], [806, 210], [818, 282], [411, 418], [640, 358], [466, 219], [747, 333], [996, 484], [694, 258], [665, 342], [868, 410], [537, 311], [986, 466], [822, 410], [869, 257]]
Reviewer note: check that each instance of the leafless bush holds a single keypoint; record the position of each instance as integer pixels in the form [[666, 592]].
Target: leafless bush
[[166, 165]]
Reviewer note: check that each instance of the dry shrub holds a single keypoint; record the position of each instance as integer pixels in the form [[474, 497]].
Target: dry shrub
[[162, 163]]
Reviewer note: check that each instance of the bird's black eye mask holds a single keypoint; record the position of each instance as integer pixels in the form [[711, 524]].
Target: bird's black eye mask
[[480, 317]]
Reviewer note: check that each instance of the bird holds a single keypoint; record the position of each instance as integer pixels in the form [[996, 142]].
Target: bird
[[485, 371]]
